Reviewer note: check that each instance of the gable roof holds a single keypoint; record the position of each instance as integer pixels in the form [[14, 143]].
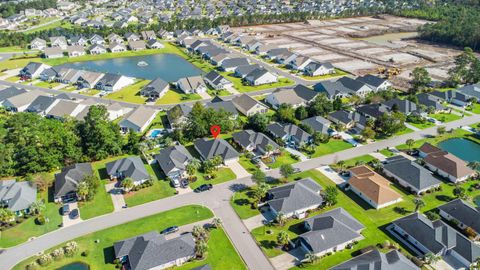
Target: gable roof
[[20, 195], [173, 157], [281, 130], [140, 116], [258, 140], [41, 104], [299, 94], [191, 83], [157, 86], [371, 80], [294, 196], [216, 147], [225, 105], [430, 101], [63, 108], [410, 172], [68, 179], [372, 185], [449, 163], [131, 167], [10, 92], [245, 102], [317, 123], [463, 212], [403, 105], [376, 260], [234, 62], [374, 110], [472, 90]]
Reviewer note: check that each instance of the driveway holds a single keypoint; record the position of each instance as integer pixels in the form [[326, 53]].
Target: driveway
[[239, 171], [349, 138], [297, 153], [414, 128], [288, 259], [117, 196], [332, 175], [378, 156], [259, 220], [186, 228], [67, 221]]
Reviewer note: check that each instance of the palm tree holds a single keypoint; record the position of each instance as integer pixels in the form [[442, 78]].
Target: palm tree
[[459, 192], [281, 219], [82, 190], [217, 222], [410, 143], [283, 239], [431, 258], [6, 215], [193, 166], [127, 184], [37, 207], [199, 233], [201, 249], [341, 165], [269, 149], [311, 258], [418, 204]]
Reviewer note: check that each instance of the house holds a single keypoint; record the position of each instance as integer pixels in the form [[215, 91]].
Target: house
[[64, 108], [97, 39], [249, 106], [375, 82], [178, 114], [300, 95], [410, 174], [330, 232], [153, 251], [255, 142], [348, 119], [41, 105], [243, 71], [155, 89], [375, 259], [75, 51], [462, 215], [114, 38], [216, 147], [88, 79], [454, 97], [33, 70], [38, 44], [17, 196], [299, 62], [68, 75], [216, 81], [291, 134], [294, 199], [372, 187], [173, 161], [97, 49], [129, 167], [230, 64], [260, 76], [318, 69], [404, 106], [318, 124], [430, 101], [224, 106], [373, 111], [78, 41], [10, 92], [219, 58], [263, 49], [67, 181], [148, 35], [286, 57], [117, 47], [190, 85], [131, 37], [138, 120], [59, 41], [20, 102], [436, 237], [343, 87], [112, 82], [154, 44], [472, 91], [115, 110], [53, 52], [445, 164], [137, 45]]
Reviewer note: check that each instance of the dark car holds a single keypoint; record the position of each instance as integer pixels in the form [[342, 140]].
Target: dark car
[[170, 230], [204, 187], [65, 209], [74, 214]]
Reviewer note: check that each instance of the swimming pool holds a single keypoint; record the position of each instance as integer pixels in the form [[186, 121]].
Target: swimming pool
[[155, 133]]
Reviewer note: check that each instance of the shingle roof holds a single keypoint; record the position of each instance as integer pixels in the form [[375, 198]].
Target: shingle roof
[[68, 179], [374, 110], [279, 131], [131, 167], [10, 92], [472, 90], [157, 86], [246, 102], [430, 101], [20, 195], [449, 164], [376, 260], [173, 157], [40, 104], [294, 196], [404, 105], [226, 106], [216, 147], [410, 172], [371, 80], [234, 62], [317, 123], [372, 185], [139, 116], [62, 108], [463, 212], [258, 140]]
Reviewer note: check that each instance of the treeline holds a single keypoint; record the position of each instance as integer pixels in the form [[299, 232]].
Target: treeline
[[30, 143], [10, 8]]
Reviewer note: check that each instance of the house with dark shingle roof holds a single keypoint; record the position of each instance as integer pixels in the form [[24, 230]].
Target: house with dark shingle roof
[[255, 142], [453, 96], [291, 134], [216, 147], [431, 102], [153, 251], [315, 68], [434, 237], [260, 76], [112, 82], [300, 95], [173, 161], [155, 89], [41, 105], [409, 174], [318, 123], [67, 181], [231, 64], [243, 71], [33, 70], [404, 106], [10, 92], [373, 111], [190, 85], [462, 214], [471, 90], [375, 82], [330, 232], [17, 196], [248, 106], [129, 167], [216, 81], [138, 120], [348, 119], [377, 260], [220, 105], [295, 199]]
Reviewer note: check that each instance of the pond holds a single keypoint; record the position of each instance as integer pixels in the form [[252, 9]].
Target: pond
[[465, 149], [476, 200], [75, 266], [392, 40], [169, 67]]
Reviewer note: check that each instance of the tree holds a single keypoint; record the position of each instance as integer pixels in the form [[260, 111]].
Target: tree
[[341, 165], [217, 222], [133, 143], [368, 133], [321, 105], [259, 177], [127, 184], [286, 113], [420, 79], [269, 148], [466, 68], [391, 123], [431, 258], [418, 204], [201, 249], [330, 195], [311, 258], [319, 138], [283, 238], [474, 165], [410, 143], [281, 219], [286, 170], [6, 215], [82, 190], [192, 166], [71, 248], [259, 122], [260, 191], [301, 113], [200, 233], [441, 130], [37, 207], [459, 192]]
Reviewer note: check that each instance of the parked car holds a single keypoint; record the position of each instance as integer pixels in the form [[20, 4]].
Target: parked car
[[184, 183], [170, 230], [74, 214], [65, 209], [203, 187], [175, 182]]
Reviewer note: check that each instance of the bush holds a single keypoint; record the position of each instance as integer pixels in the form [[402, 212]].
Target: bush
[[386, 244], [432, 215], [40, 220], [58, 254], [31, 266], [44, 259], [85, 253]]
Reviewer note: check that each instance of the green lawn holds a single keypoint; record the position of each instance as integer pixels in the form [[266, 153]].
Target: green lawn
[[238, 84], [331, 147], [358, 160], [445, 117], [387, 153], [50, 85], [457, 133], [101, 251], [220, 93], [247, 164], [223, 175], [474, 108], [130, 93], [338, 73], [100, 205], [62, 24], [241, 202], [158, 121], [18, 62], [284, 158], [174, 96], [13, 79], [12, 49], [422, 125], [90, 92], [405, 130], [27, 229]]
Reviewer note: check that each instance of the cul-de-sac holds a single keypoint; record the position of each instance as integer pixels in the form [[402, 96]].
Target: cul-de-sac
[[240, 134]]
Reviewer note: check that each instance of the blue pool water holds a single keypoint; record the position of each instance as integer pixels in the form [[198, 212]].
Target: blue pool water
[[169, 67], [465, 149], [155, 133]]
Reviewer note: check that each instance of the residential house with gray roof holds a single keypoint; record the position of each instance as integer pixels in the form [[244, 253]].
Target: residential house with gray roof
[[88, 79], [260, 76], [404, 106], [155, 89], [409, 174], [243, 71], [471, 90], [291, 134], [153, 251], [318, 124], [137, 45], [373, 111], [294, 199], [330, 232], [216, 81], [348, 119], [67, 181], [17, 196], [377, 260], [129, 167], [75, 51], [436, 237], [343, 87], [462, 214], [255, 142], [58, 41], [64, 108], [178, 114], [231, 64], [10, 92], [53, 52], [216, 147], [375, 82], [430, 101], [38, 44], [223, 105], [300, 95], [20, 102], [453, 96], [190, 85], [314, 68], [138, 119], [97, 49], [173, 161], [33, 70], [249, 106], [117, 47], [41, 105], [110, 82]]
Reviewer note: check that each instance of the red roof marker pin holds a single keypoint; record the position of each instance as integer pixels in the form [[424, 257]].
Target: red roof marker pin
[[215, 130]]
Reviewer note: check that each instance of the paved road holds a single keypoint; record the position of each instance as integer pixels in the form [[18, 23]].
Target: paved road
[[217, 200]]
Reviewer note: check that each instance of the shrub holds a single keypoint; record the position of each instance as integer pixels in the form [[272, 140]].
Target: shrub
[[31, 266], [85, 253], [58, 254], [40, 220], [386, 244], [71, 248], [44, 259]]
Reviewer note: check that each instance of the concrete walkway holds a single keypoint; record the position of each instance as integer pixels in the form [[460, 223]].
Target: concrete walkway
[[259, 220], [232, 90], [238, 169], [67, 221], [349, 138], [411, 127], [117, 196], [297, 153], [378, 156], [333, 175], [204, 95], [288, 260]]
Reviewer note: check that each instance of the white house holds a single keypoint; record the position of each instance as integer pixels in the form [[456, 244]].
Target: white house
[[261, 76]]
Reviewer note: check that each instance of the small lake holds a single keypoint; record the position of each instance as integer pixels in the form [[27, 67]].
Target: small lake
[[462, 148], [169, 67], [75, 266], [476, 200], [392, 40]]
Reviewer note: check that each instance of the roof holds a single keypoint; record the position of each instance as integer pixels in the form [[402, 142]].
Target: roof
[[428, 148], [472, 90], [463, 212], [227, 106], [140, 116], [63, 108], [53, 51], [178, 111], [449, 164], [299, 94], [10, 92], [157, 86], [234, 62], [259, 141], [191, 83], [91, 77], [41, 104], [246, 69], [152, 249], [403, 105], [32, 67], [449, 95], [109, 79], [317, 123], [374, 110], [131, 167], [352, 84], [256, 74], [371, 80], [376, 260], [173, 157], [372, 185], [22, 99], [214, 78], [294, 196], [216, 147], [20, 195], [245, 102], [68, 179], [430, 101], [330, 229], [281, 130], [411, 172]]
